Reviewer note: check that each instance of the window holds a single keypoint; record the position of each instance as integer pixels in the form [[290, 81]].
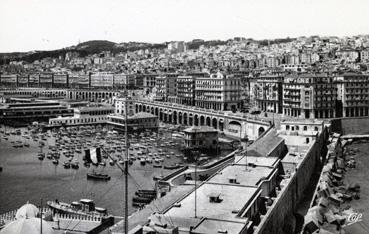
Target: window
[[305, 128], [287, 127]]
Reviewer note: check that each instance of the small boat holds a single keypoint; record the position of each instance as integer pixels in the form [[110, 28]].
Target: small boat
[[156, 178], [111, 162], [66, 165], [74, 164], [98, 176], [56, 161], [143, 161]]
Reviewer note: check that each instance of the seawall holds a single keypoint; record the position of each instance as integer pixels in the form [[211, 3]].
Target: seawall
[[292, 191]]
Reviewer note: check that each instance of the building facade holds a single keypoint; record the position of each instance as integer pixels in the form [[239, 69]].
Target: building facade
[[353, 95], [309, 96], [218, 92], [186, 90], [268, 93]]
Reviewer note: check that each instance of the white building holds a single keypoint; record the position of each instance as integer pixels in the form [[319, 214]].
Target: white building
[[84, 116], [120, 103]]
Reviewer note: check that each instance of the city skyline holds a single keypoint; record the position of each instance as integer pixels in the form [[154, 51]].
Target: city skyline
[[38, 26]]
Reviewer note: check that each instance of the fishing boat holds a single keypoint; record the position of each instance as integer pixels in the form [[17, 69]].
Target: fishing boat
[[55, 161], [97, 176]]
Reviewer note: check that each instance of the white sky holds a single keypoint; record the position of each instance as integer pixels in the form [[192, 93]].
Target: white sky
[[52, 24]]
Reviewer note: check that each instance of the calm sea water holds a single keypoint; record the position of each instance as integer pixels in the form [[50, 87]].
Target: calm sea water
[[25, 178]]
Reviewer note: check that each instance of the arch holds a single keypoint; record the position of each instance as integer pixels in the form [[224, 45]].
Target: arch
[[139, 108], [196, 120], [215, 123], [157, 111], [161, 116], [136, 108], [144, 108], [152, 110], [175, 116], [221, 125], [190, 120], [180, 118], [185, 122], [261, 131], [208, 121], [202, 120]]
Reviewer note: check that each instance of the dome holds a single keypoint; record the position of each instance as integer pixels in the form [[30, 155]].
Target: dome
[[27, 226], [27, 211]]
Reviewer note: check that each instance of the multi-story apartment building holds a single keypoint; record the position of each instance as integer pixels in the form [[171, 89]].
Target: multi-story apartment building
[[218, 92], [353, 95], [309, 96], [166, 87], [348, 54], [268, 93], [186, 90], [149, 81]]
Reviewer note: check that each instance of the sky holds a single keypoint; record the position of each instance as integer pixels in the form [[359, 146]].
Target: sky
[[27, 25]]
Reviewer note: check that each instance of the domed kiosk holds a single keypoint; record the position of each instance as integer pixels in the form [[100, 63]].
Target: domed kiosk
[[27, 226], [27, 211]]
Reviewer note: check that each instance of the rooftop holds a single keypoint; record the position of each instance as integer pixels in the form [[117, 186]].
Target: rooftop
[[218, 226], [200, 129], [266, 144], [246, 176], [139, 115], [233, 198]]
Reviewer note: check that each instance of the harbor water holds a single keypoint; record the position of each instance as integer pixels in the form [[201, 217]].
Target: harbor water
[[25, 178]]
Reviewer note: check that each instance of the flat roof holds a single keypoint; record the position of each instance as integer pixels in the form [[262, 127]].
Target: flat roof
[[260, 161], [303, 121], [139, 115], [298, 141], [214, 225], [247, 176], [234, 198], [200, 129]]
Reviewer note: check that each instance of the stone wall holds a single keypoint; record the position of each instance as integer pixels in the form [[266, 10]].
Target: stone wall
[[357, 125], [279, 218]]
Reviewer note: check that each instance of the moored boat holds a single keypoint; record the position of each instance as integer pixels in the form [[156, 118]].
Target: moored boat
[[98, 176], [83, 207]]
